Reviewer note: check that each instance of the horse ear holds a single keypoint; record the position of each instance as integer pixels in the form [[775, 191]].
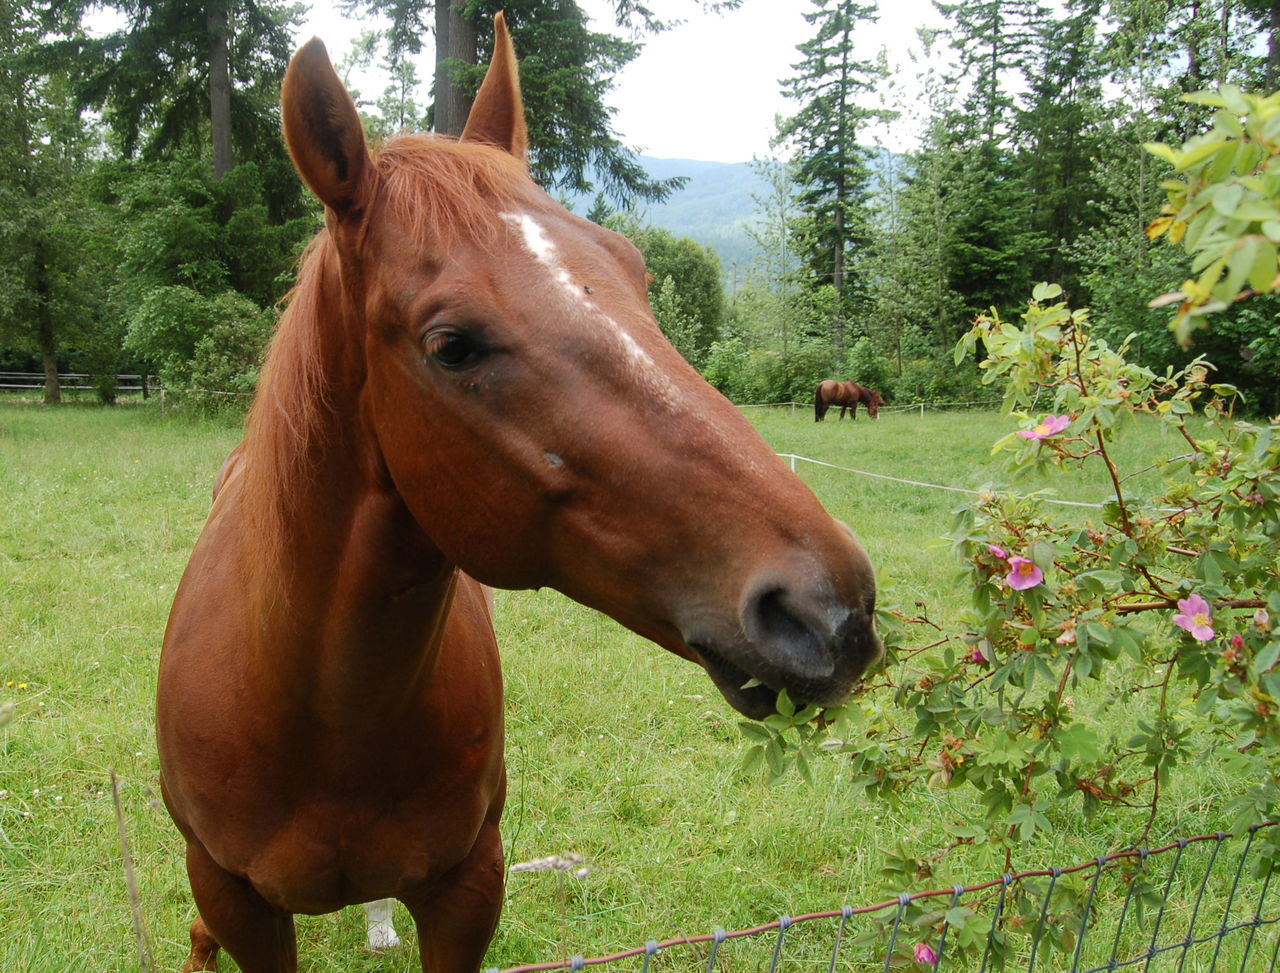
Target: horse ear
[[323, 131], [497, 114]]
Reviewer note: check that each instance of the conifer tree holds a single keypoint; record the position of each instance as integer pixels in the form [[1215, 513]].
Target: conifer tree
[[566, 72], [203, 73], [830, 86], [992, 39], [1056, 134]]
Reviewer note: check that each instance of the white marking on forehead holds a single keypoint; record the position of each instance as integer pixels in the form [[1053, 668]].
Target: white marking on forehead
[[543, 249]]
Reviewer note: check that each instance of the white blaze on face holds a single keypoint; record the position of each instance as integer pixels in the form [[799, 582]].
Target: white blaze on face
[[654, 381]]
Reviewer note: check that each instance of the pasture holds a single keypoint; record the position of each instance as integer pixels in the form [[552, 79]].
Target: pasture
[[617, 751]]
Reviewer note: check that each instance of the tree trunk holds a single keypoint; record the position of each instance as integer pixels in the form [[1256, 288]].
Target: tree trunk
[[45, 332], [1273, 47], [219, 87], [455, 42], [837, 267]]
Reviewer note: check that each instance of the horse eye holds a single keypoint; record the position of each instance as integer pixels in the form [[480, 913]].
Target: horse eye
[[453, 350]]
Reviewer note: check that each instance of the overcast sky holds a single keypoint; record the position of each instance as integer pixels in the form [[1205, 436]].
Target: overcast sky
[[708, 89]]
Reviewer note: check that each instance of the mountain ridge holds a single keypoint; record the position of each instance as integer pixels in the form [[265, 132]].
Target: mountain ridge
[[713, 208]]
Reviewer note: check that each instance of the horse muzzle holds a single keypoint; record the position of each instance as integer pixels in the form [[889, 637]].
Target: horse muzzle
[[804, 639]]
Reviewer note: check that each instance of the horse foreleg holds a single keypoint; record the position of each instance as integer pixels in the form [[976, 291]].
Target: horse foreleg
[[381, 933], [259, 937], [204, 949], [457, 914]]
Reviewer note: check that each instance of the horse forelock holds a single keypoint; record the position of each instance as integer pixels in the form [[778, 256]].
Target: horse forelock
[[441, 192]]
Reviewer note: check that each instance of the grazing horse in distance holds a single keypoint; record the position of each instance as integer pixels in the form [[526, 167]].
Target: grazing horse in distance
[[468, 388], [846, 395]]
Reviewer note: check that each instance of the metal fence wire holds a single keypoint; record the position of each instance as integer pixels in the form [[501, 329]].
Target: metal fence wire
[[1195, 905]]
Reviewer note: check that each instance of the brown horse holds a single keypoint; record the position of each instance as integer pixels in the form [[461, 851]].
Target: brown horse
[[468, 387], [847, 395]]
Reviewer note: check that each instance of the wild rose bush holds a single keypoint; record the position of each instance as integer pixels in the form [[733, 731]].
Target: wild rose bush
[[1100, 655]]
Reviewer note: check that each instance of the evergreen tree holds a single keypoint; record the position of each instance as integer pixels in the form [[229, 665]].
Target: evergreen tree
[[566, 73], [1266, 13], [1056, 137], [831, 167], [993, 39], [202, 73]]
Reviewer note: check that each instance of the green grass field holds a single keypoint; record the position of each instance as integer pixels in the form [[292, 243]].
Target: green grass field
[[617, 751]]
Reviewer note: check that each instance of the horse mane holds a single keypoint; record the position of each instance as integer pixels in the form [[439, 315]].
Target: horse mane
[[440, 192]]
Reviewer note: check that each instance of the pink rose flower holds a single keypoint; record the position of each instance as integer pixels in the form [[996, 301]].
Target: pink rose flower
[[1049, 426], [997, 550], [1195, 616], [1023, 574], [924, 954], [977, 655]]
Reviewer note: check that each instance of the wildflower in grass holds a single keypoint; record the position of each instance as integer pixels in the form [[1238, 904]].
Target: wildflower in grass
[[924, 954], [1049, 426], [997, 550], [1195, 616], [1023, 573]]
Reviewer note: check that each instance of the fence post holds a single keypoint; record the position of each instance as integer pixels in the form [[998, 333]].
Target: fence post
[[921, 410]]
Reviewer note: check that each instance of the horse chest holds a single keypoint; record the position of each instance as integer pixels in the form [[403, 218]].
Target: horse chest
[[340, 828]]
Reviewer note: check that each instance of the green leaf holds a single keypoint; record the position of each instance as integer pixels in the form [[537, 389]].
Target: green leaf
[[1080, 744], [785, 706], [1262, 272], [802, 765], [1195, 153], [775, 758], [1228, 198]]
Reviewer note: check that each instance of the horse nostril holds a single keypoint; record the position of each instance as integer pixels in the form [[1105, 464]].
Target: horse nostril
[[771, 621]]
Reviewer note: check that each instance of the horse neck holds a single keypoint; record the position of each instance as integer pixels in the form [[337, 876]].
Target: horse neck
[[347, 581]]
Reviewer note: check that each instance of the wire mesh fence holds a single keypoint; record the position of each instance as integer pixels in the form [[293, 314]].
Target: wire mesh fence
[[1195, 905]]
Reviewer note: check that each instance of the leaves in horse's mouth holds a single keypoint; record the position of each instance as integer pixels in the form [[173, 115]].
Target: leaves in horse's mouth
[[751, 683]]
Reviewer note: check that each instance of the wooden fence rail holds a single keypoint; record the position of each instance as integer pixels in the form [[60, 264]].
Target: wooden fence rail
[[77, 382]]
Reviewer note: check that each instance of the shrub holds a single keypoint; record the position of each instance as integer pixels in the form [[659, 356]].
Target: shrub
[[201, 346]]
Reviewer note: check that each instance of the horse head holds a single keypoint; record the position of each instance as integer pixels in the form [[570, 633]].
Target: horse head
[[873, 403], [536, 423]]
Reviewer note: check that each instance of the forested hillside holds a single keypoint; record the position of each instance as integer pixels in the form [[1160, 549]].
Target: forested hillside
[[152, 220]]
